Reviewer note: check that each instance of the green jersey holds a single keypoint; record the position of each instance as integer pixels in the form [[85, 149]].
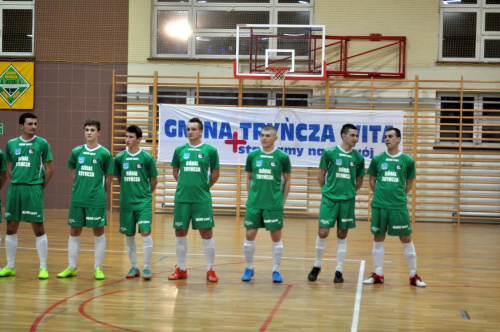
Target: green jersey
[[342, 170], [27, 159], [135, 172], [391, 173], [195, 164], [90, 179], [267, 169]]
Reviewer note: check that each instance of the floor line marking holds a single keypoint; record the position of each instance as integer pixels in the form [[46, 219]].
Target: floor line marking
[[357, 303], [275, 309]]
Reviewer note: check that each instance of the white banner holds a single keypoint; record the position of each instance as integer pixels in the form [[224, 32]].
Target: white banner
[[302, 133]]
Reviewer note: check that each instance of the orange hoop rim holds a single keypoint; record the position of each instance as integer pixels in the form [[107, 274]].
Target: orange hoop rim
[[278, 69]]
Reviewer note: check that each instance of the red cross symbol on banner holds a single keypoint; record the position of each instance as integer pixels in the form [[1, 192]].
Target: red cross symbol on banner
[[235, 142]]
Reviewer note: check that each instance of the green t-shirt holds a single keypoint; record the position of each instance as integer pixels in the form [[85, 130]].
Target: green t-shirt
[[392, 173], [267, 169], [195, 164], [342, 170], [135, 172], [90, 178], [27, 159]]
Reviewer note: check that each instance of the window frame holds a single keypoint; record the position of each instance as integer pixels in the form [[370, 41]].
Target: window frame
[[18, 5], [192, 7], [481, 8], [477, 124]]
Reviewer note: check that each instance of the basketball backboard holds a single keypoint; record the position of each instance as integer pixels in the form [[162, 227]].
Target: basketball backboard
[[298, 47]]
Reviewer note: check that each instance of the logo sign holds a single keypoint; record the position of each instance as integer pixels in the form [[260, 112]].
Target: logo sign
[[384, 166], [81, 160], [351, 163], [17, 151], [94, 161], [338, 162], [31, 151], [125, 166], [12, 85], [398, 167], [259, 163], [273, 164], [186, 155], [200, 155], [1, 128], [139, 165]]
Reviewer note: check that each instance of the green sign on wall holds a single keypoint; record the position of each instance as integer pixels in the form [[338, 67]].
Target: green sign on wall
[[1, 128]]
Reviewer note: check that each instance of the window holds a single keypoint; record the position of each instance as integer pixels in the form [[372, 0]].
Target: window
[[480, 120], [206, 28], [229, 97], [470, 31], [17, 18]]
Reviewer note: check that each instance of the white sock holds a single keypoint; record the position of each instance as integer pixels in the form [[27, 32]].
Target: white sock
[[378, 257], [73, 251], [99, 250], [209, 250], [132, 250], [341, 251], [249, 250], [181, 251], [320, 250], [10, 250], [411, 257], [147, 250], [42, 248], [277, 254]]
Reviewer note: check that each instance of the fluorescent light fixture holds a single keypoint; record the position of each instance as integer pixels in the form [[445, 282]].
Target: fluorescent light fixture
[[304, 1], [447, 2], [202, 38]]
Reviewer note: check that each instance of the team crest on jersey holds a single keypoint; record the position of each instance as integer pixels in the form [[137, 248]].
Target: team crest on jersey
[[125, 166], [81, 160], [17, 151], [351, 163], [259, 163], [139, 166], [200, 155], [384, 166], [273, 164], [94, 161], [399, 167], [31, 151], [338, 162], [186, 155]]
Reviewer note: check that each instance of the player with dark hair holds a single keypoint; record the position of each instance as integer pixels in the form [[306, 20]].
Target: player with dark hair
[[267, 193], [196, 169], [392, 174], [29, 166], [137, 175], [340, 175], [92, 171]]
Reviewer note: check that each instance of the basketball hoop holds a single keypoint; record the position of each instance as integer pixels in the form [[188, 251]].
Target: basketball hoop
[[277, 75]]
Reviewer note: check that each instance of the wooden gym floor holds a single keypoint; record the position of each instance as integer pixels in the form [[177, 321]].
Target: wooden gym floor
[[460, 264]]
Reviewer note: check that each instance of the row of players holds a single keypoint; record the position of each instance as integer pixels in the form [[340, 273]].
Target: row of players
[[28, 162]]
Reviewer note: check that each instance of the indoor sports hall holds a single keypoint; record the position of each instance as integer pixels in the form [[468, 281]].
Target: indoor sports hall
[[429, 67]]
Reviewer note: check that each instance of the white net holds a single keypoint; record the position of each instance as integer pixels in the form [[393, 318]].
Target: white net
[[278, 75]]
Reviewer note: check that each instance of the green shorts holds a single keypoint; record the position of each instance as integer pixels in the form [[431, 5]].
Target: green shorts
[[128, 220], [86, 217], [201, 214], [331, 211], [24, 203], [395, 222], [259, 218]]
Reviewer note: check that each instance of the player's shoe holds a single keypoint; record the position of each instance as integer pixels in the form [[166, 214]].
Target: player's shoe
[[7, 272], [247, 275], [374, 279], [43, 274], [211, 276], [146, 274], [417, 281], [277, 277], [313, 275], [178, 274], [134, 272], [338, 277], [98, 274], [69, 272]]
